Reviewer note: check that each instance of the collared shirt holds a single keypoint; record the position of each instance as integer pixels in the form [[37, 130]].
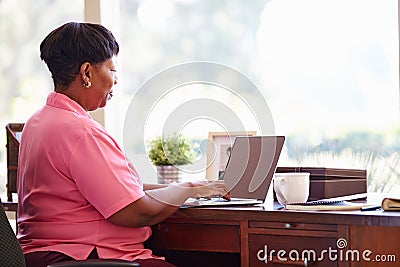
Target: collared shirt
[[72, 176]]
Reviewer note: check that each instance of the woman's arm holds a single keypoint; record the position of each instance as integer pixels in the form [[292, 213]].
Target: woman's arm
[[158, 204], [153, 186]]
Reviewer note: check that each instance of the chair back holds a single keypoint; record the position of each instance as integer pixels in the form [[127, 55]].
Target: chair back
[[10, 250], [13, 131]]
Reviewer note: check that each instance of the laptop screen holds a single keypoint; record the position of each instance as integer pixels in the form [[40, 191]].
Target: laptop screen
[[251, 165]]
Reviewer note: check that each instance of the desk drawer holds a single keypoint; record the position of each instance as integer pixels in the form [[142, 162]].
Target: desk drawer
[[196, 237], [286, 250], [293, 229]]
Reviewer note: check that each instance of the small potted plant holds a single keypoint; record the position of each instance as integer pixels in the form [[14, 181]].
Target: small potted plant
[[167, 154]]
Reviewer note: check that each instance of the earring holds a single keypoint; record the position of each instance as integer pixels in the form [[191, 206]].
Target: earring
[[88, 84]]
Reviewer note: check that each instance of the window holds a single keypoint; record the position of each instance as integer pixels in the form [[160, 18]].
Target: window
[[25, 80], [328, 70]]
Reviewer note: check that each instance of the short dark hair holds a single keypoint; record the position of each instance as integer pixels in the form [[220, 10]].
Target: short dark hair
[[66, 48]]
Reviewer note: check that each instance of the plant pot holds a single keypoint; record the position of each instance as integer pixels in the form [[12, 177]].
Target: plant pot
[[168, 174]]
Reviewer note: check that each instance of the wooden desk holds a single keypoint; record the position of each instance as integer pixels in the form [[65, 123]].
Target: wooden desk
[[239, 236]]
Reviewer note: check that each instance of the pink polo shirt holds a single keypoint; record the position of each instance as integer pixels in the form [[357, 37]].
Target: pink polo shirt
[[72, 176]]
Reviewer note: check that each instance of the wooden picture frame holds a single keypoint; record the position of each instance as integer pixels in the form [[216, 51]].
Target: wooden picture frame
[[218, 149]]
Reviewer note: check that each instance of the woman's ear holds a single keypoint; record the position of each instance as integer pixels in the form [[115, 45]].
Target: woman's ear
[[85, 73]]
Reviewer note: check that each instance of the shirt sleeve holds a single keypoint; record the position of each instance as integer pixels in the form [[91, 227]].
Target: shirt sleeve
[[103, 174]]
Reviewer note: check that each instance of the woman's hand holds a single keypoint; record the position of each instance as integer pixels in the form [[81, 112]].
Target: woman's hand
[[205, 188]]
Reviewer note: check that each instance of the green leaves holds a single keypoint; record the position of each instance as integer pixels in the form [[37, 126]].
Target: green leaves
[[173, 150]]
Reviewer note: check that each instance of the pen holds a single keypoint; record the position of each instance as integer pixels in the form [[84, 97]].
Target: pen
[[370, 208], [227, 196]]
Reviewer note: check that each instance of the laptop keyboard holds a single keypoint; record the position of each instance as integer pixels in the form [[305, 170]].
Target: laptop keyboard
[[224, 200]]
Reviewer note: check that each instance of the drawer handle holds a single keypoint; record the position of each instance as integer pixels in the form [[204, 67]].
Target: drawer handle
[[304, 262], [289, 225]]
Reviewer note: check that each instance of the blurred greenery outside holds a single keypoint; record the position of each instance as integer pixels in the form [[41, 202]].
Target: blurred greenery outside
[[337, 109]]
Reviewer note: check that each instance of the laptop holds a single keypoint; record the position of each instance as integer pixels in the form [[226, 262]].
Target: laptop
[[248, 173]]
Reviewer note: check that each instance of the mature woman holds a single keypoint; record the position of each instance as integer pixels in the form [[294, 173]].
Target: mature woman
[[78, 196]]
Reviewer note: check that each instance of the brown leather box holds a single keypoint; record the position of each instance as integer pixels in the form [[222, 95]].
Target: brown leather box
[[331, 182]]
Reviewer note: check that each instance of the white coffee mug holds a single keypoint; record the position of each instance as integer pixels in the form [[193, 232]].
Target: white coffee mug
[[292, 187]]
